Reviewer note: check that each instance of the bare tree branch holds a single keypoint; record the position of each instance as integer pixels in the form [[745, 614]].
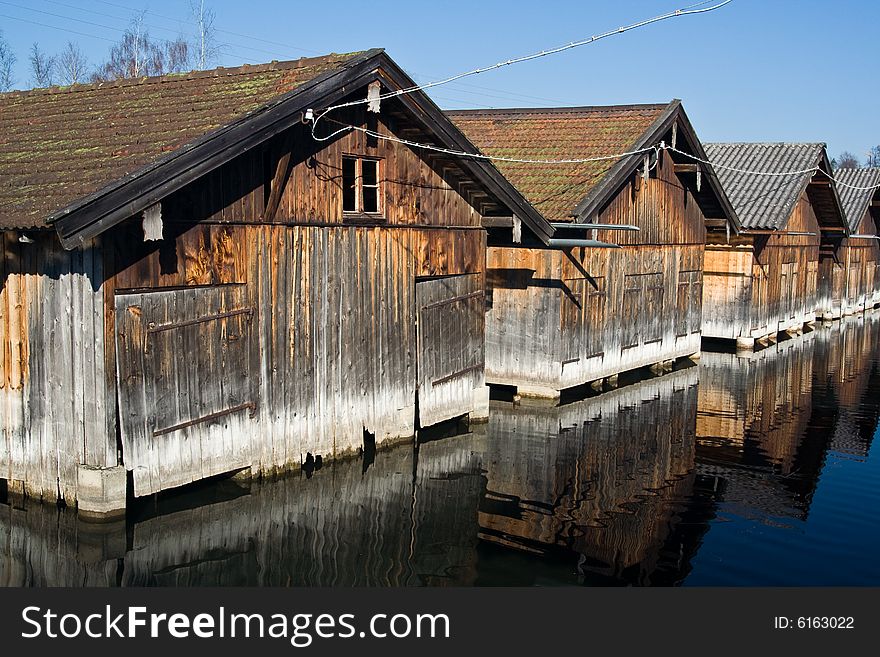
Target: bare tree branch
[[71, 64], [846, 160], [207, 48], [42, 67], [7, 63]]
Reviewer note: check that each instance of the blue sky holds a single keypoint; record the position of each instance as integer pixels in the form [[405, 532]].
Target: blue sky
[[756, 70]]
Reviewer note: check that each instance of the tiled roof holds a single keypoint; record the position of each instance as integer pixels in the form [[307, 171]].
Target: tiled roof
[[556, 134], [855, 202], [764, 202], [60, 144]]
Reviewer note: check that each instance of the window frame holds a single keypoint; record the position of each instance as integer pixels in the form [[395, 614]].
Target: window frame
[[359, 186]]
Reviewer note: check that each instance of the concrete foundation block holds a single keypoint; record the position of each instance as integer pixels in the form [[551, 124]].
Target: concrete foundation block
[[745, 344], [101, 492], [480, 412], [537, 392]]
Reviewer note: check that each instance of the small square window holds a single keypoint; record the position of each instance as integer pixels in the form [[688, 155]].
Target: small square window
[[361, 191]]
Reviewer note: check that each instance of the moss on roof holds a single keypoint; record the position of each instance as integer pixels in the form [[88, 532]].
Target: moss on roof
[[556, 134], [62, 143]]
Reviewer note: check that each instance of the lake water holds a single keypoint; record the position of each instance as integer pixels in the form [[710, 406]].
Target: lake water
[[755, 470]]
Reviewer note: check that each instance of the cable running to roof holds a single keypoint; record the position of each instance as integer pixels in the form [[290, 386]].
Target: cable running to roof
[[684, 11], [481, 156]]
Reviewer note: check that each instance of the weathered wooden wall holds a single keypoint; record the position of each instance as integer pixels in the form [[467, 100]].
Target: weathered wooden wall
[[55, 408], [562, 480], [327, 303], [759, 285], [848, 280], [560, 319]]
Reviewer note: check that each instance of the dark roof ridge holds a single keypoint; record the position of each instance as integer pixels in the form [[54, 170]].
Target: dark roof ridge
[[244, 69], [767, 143]]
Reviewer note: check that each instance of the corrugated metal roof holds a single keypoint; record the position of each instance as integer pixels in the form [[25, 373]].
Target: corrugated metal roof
[[764, 202], [855, 202], [60, 144]]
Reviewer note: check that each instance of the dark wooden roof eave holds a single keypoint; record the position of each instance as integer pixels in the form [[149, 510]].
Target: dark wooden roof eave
[[625, 167], [433, 118], [92, 215], [838, 203], [824, 164]]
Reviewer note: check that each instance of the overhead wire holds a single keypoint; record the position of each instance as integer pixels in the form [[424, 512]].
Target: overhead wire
[[749, 172], [481, 91], [689, 10], [480, 156], [55, 27], [685, 11], [115, 28], [231, 33]]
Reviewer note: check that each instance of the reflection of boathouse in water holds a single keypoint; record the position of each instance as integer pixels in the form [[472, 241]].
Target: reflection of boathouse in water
[[541, 495], [753, 411], [561, 481], [767, 420], [559, 484], [848, 375]]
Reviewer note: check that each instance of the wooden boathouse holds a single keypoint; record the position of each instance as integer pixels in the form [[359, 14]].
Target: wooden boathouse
[[849, 274], [191, 283], [625, 290], [765, 279]]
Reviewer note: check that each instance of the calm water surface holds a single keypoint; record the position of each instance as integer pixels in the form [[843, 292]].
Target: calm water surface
[[738, 471]]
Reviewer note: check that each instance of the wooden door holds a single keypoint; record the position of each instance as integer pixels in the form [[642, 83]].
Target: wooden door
[[188, 389], [451, 315], [633, 294], [572, 319]]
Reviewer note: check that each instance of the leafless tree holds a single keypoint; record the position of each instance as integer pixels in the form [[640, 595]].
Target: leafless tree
[[136, 54], [207, 48], [873, 157], [42, 67], [846, 160], [7, 63], [71, 64], [176, 56]]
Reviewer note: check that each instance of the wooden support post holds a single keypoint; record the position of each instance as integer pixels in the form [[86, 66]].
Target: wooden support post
[[279, 180], [517, 230]]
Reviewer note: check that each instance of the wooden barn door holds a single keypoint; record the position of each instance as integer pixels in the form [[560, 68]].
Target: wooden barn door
[[187, 386], [450, 346]]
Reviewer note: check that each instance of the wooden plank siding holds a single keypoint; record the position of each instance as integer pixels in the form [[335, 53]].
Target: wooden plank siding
[[53, 396], [328, 347], [848, 280], [759, 285], [559, 319], [334, 351]]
